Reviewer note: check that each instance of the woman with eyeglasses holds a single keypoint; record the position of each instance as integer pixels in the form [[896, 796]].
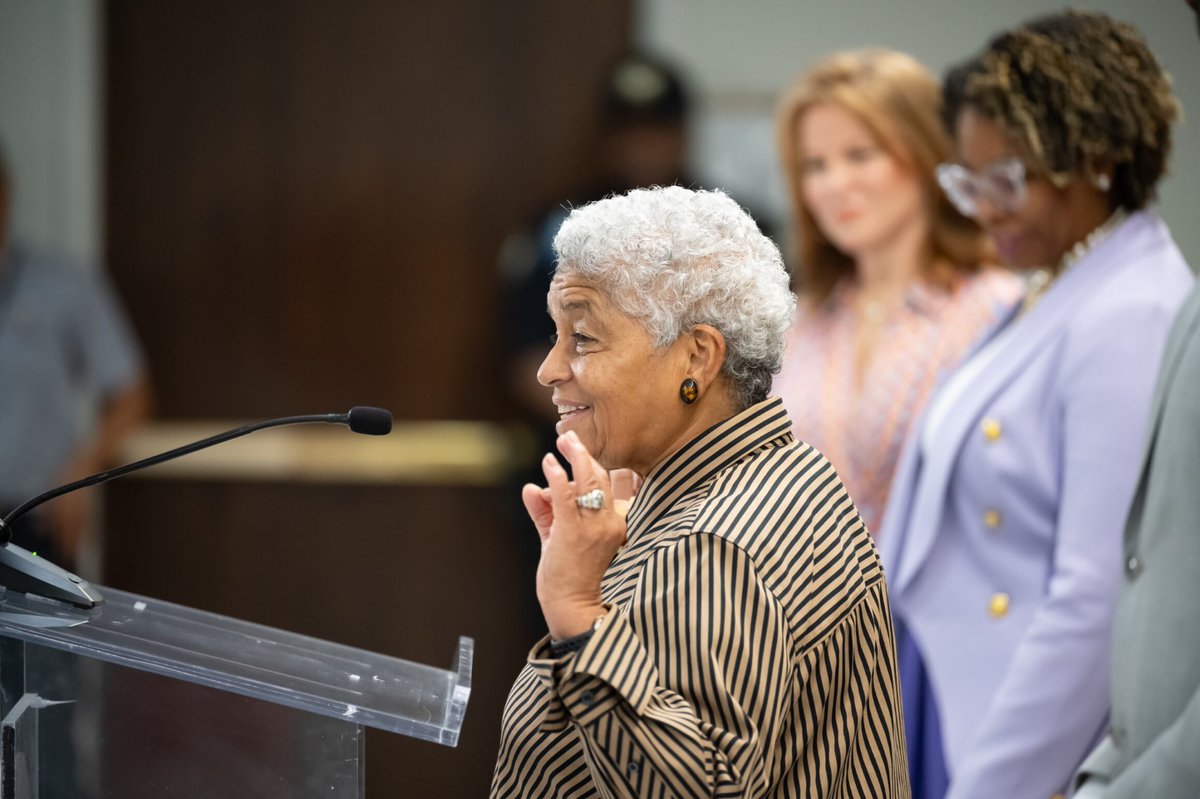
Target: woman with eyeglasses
[[894, 281], [1002, 538]]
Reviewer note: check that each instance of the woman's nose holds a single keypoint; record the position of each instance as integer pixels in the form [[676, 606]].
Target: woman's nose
[[830, 191], [841, 178], [554, 367]]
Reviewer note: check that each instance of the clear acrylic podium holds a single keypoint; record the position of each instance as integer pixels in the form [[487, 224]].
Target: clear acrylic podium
[[145, 698]]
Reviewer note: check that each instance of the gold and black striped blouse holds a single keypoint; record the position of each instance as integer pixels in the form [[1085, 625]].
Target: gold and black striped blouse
[[749, 651]]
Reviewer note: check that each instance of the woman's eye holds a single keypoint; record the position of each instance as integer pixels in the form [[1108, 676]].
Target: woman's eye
[[860, 154], [1003, 184], [579, 340], [812, 166]]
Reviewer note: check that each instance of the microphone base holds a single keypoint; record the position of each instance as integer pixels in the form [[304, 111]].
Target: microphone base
[[26, 573]]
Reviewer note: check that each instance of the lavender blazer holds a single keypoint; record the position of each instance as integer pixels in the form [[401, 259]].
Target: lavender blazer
[[1002, 543]]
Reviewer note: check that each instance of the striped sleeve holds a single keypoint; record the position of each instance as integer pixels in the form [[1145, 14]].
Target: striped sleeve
[[720, 638]]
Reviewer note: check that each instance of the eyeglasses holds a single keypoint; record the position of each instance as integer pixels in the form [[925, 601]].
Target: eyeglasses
[[1002, 184]]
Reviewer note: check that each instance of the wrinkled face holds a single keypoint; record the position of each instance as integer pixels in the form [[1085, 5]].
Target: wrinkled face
[[612, 386], [1043, 227], [861, 197]]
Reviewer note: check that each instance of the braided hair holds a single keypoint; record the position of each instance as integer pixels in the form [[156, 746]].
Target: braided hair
[[1079, 92]]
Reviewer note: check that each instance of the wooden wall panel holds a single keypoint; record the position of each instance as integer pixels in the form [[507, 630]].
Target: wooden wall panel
[[304, 203], [402, 570], [305, 198]]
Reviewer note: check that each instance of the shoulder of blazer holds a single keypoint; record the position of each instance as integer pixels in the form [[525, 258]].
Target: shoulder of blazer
[[1145, 284]]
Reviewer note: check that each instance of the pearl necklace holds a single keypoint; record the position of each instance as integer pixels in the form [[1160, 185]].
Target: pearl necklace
[[1041, 280]]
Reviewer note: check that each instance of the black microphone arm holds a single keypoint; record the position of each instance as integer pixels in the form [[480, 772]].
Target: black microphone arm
[[25, 572]]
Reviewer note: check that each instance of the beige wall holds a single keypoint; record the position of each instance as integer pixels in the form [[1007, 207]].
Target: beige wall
[[50, 120]]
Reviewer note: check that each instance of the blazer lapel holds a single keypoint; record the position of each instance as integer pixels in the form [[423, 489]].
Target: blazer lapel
[[1025, 337]]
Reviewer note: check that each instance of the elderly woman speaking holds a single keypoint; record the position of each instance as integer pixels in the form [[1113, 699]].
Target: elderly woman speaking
[[727, 633]]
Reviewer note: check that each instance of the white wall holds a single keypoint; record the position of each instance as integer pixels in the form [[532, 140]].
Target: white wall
[[739, 55], [50, 82]]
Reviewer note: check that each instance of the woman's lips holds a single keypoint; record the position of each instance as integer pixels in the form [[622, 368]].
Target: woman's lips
[[568, 413]]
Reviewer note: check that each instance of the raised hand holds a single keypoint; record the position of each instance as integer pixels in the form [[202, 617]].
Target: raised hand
[[578, 543]]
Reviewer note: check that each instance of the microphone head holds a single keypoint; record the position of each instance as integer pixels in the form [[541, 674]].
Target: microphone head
[[369, 421]]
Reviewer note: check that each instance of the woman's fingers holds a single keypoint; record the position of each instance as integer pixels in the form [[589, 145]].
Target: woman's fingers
[[618, 486], [537, 505], [587, 473], [562, 494], [580, 459]]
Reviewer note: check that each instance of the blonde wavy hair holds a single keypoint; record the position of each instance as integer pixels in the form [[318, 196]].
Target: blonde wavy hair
[[899, 101]]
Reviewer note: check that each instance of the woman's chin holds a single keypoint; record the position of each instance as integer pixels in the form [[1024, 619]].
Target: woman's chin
[[587, 437]]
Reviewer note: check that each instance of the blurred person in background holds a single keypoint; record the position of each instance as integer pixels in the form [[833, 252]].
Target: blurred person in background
[[1153, 738], [73, 388], [1002, 538], [728, 633], [643, 142], [894, 282], [645, 105]]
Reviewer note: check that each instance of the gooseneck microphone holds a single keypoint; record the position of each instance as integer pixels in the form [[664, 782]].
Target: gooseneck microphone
[[25, 572]]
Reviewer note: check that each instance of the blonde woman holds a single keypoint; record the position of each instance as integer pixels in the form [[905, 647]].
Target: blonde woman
[[894, 283]]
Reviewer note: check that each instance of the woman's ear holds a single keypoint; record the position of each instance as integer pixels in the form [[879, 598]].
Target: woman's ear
[[706, 354]]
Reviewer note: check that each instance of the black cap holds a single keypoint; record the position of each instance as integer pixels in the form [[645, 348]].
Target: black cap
[[643, 89]]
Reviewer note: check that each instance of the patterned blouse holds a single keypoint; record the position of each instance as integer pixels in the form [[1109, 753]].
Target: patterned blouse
[[859, 421], [748, 651]]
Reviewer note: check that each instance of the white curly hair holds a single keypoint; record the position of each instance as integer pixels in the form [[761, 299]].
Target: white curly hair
[[674, 258]]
